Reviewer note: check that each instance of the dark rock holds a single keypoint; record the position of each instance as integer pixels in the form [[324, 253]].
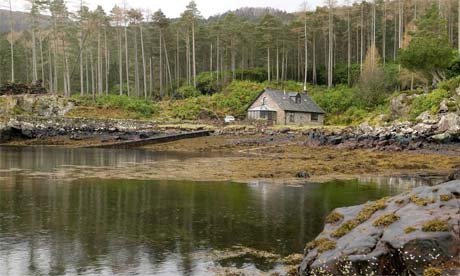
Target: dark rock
[[284, 130], [302, 174], [455, 175]]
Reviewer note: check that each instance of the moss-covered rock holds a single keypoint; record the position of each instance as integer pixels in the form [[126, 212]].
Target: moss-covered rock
[[432, 271], [385, 220], [409, 229], [435, 225], [322, 245], [446, 197], [334, 217], [403, 235]]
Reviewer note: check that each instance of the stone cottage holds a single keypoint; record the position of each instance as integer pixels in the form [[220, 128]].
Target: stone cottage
[[286, 108]]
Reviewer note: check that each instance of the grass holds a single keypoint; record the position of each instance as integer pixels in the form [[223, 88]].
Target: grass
[[432, 271], [421, 201], [114, 106], [386, 220], [409, 229], [435, 225], [446, 197], [368, 210], [323, 245], [334, 217]]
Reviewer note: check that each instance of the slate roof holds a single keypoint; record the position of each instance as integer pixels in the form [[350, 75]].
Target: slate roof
[[307, 104]]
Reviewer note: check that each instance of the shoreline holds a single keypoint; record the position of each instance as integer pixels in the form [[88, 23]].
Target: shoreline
[[277, 160]]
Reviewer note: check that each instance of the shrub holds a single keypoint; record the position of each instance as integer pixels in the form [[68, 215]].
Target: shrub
[[435, 225], [206, 83], [142, 107], [450, 85], [428, 102], [372, 80], [187, 91], [335, 100], [253, 74]]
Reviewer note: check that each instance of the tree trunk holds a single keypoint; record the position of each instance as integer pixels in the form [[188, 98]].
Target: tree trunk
[[268, 65], [11, 42], [193, 54], [384, 33], [120, 62], [161, 65], [127, 59], [331, 46], [99, 63], [143, 61], [107, 62], [136, 65], [306, 54], [315, 80], [168, 67]]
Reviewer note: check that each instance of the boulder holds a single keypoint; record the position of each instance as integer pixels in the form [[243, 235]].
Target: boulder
[[403, 235], [444, 106], [442, 137], [364, 128], [423, 128], [449, 123], [400, 106], [427, 118]]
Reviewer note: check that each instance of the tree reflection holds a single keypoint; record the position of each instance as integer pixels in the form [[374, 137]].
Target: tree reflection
[[120, 226]]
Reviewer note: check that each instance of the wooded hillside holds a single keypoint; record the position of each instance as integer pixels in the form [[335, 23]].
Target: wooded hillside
[[123, 51]]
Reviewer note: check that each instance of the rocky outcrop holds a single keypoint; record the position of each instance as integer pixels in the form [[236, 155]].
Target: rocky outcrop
[[408, 234], [400, 105], [37, 105], [427, 129], [76, 128]]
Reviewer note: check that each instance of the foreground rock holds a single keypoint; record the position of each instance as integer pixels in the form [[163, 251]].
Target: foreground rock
[[416, 233]]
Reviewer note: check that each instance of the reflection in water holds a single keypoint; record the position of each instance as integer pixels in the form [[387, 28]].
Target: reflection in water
[[46, 159], [124, 227], [52, 226]]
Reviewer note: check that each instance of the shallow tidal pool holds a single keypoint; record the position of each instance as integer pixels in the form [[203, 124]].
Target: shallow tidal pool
[[53, 225]]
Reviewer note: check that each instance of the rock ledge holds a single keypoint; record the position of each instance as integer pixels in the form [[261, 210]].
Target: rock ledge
[[408, 234]]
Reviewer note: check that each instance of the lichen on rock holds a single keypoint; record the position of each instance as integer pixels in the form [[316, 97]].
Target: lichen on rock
[[404, 235]]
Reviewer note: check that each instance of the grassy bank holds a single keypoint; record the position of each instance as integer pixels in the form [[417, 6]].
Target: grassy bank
[[344, 105]]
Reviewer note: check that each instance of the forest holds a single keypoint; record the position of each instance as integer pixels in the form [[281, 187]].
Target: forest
[[367, 50]]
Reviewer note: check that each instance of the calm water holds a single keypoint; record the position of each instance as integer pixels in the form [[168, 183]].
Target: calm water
[[90, 226]]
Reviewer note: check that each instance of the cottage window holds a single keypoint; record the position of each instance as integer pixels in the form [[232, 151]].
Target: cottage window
[[291, 118], [314, 117]]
